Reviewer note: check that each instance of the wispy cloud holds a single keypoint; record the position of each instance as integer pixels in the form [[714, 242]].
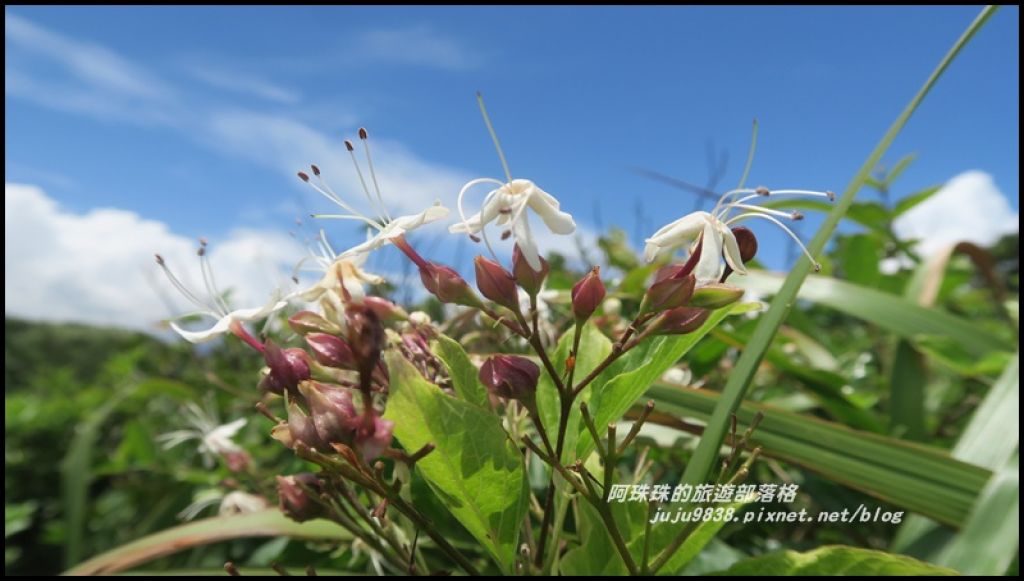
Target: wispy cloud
[[79, 76], [418, 45], [243, 83]]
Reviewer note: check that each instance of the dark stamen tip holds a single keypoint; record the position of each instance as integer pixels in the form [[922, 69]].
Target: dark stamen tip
[[831, 195], [797, 216], [506, 234], [159, 259], [362, 133], [474, 238], [762, 191], [303, 176], [349, 146], [316, 170], [817, 267]]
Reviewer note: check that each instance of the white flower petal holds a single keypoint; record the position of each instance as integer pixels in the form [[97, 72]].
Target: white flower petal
[[675, 234], [732, 249], [527, 245], [709, 265], [546, 206]]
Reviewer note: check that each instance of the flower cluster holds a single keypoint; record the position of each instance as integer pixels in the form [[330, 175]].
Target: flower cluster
[[333, 390]]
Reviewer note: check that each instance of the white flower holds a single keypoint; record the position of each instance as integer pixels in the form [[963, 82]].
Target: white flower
[[214, 306], [339, 273], [713, 230], [507, 204], [214, 440], [386, 229]]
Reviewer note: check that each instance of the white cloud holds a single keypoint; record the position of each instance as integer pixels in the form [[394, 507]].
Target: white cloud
[[98, 267], [969, 208]]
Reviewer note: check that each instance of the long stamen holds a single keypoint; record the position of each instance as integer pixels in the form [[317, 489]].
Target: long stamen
[[494, 135], [728, 194], [807, 253], [483, 229], [179, 286], [373, 174], [362, 181], [209, 281], [763, 210], [764, 192], [466, 188]]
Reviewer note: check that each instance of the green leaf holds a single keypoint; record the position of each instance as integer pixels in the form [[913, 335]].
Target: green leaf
[[639, 369], [475, 470], [989, 540], [834, 560], [906, 393], [266, 523], [890, 312], [911, 476], [859, 255], [465, 376], [906, 204]]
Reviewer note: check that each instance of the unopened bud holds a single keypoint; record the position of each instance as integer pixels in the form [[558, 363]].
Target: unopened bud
[[309, 322], [288, 367], [385, 309], [448, 286], [294, 496], [331, 351], [525, 276], [715, 296], [679, 321], [587, 295], [510, 377], [298, 428], [334, 415], [669, 293], [496, 283]]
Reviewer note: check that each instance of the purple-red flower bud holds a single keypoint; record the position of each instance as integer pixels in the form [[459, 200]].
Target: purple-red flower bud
[[298, 428], [447, 285], [496, 283], [680, 321], [385, 309], [332, 411], [331, 351], [525, 276], [288, 367], [587, 295], [510, 377], [670, 292], [294, 496]]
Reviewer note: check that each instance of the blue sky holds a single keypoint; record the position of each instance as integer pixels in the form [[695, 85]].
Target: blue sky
[[194, 120]]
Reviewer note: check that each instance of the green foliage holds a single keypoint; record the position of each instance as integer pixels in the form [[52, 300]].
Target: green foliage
[[477, 473], [835, 561]]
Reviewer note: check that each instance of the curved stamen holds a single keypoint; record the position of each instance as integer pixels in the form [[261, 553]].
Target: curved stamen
[[726, 195], [807, 253], [462, 195], [179, 286], [210, 282], [483, 227], [362, 181], [494, 136], [761, 209], [373, 173], [806, 193]]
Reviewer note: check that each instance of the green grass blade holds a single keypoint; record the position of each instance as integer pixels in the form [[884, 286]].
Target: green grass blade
[[893, 313], [917, 478], [265, 523], [704, 458]]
